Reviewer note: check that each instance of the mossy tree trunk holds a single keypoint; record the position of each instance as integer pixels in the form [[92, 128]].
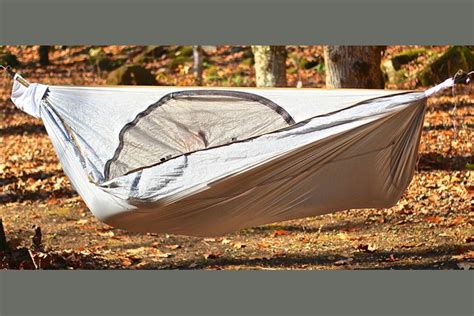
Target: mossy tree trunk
[[270, 65], [353, 67], [43, 52], [197, 64]]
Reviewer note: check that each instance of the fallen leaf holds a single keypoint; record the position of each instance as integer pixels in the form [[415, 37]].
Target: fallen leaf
[[107, 234], [457, 221], [225, 241], [165, 255], [136, 251], [119, 237], [444, 235], [400, 222], [367, 248], [433, 219], [238, 245], [126, 262], [280, 232], [343, 261], [464, 256], [210, 256], [53, 201], [342, 236], [391, 258]]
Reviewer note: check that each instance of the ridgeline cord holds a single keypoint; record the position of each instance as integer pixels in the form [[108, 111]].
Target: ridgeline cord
[[460, 77]]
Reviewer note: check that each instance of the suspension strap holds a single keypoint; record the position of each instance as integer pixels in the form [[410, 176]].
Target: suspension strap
[[459, 78]]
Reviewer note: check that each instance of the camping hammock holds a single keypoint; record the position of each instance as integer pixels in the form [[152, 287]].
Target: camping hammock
[[204, 162]]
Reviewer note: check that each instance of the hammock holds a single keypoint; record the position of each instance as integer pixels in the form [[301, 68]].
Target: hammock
[[205, 162]]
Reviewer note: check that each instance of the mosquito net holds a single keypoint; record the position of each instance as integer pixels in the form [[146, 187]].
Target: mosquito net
[[187, 121]]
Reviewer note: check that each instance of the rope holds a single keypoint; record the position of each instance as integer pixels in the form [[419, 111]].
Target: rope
[[459, 78], [462, 77], [15, 76], [8, 70]]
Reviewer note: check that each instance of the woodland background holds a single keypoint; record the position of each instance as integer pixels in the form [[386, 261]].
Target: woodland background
[[47, 226]]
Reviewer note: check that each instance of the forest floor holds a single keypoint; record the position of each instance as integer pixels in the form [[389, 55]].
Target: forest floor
[[49, 227]]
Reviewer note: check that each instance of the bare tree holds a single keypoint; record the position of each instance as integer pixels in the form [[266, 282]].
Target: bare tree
[[43, 52], [197, 64], [270, 65], [353, 66]]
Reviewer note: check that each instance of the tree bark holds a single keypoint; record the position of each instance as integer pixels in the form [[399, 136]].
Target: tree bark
[[270, 65], [353, 67], [197, 64], [43, 52]]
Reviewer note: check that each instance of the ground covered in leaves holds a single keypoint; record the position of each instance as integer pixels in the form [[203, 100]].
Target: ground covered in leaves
[[47, 226]]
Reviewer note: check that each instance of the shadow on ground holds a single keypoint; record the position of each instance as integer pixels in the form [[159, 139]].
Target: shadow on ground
[[23, 129], [439, 258], [436, 161]]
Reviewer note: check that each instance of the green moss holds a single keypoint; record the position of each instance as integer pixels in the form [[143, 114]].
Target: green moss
[[104, 61], [250, 61], [186, 51], [407, 56], [247, 52], [291, 70], [179, 55], [132, 74], [175, 51], [179, 60], [237, 80], [321, 68], [446, 65], [150, 52], [59, 212], [391, 74]]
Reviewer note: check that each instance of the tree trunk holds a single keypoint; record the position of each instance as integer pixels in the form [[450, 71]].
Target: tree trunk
[[353, 66], [270, 65], [197, 64], [43, 52]]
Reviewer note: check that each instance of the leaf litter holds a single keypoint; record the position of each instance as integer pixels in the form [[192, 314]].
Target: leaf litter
[[429, 228]]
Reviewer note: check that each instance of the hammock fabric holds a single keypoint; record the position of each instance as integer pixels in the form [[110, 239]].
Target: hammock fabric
[[205, 162]]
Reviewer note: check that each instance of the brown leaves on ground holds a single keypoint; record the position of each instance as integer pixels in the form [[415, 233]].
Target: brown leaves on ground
[[429, 228]]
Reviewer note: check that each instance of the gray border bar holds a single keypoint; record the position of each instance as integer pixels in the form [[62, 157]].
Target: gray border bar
[[360, 22], [422, 22], [220, 293]]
